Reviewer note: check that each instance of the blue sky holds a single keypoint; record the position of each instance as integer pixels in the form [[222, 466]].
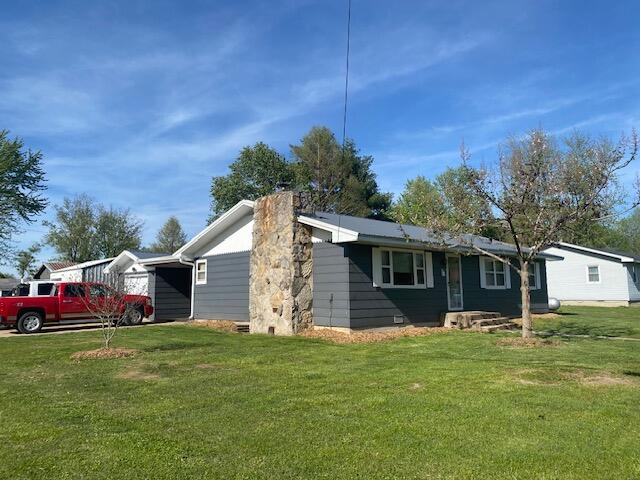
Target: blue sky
[[140, 103]]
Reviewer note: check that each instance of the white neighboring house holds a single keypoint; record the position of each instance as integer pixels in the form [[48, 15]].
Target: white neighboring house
[[590, 276], [90, 271], [138, 278]]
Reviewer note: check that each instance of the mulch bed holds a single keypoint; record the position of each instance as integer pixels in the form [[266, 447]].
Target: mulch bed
[[336, 336], [224, 325], [102, 353]]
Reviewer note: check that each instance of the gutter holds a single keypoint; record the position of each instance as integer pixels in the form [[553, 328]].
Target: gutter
[[193, 283]]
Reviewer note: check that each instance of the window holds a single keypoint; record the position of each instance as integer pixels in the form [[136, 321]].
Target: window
[[74, 290], [593, 274], [201, 272], [45, 288], [494, 274], [97, 291], [635, 273], [402, 268], [534, 276]]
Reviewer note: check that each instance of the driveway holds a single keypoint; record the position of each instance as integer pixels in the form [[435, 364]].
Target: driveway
[[55, 329]]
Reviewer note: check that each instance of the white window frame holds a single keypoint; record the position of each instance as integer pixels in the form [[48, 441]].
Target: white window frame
[[536, 276], [198, 263], [599, 274], [483, 277], [377, 268]]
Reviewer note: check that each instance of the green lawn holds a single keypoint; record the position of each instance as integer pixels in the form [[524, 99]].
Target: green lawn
[[196, 403], [594, 321]]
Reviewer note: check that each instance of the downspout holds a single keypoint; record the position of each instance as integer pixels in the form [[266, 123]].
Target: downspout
[[193, 283]]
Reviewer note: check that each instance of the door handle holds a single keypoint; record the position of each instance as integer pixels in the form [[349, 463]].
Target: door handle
[[67, 301]]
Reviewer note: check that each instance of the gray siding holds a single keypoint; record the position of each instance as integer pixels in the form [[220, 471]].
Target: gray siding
[[374, 307], [507, 302], [371, 306], [226, 293], [330, 285], [172, 293]]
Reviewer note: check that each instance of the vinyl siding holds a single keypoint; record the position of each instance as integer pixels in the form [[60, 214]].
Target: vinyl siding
[[507, 301], [225, 296], [567, 279], [330, 285], [375, 307], [371, 306], [634, 291]]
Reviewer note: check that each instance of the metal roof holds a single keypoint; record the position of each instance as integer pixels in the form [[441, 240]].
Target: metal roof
[[371, 230]]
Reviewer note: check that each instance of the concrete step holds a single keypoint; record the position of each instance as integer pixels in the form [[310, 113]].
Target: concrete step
[[489, 321], [500, 326]]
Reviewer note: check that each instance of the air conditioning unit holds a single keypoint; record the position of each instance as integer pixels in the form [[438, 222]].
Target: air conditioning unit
[[399, 319]]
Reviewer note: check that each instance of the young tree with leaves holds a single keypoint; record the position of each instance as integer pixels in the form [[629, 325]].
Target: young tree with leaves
[[170, 237], [26, 261], [540, 191], [22, 182], [255, 173]]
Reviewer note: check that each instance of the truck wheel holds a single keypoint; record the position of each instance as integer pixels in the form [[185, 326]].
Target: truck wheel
[[30, 322], [134, 317]]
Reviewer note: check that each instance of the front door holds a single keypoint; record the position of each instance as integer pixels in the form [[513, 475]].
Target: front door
[[454, 282]]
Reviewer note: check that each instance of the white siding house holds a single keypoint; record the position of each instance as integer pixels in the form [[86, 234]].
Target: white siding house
[[589, 276]]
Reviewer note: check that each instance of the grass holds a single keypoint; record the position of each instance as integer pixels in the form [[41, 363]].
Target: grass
[[200, 403], [593, 321]]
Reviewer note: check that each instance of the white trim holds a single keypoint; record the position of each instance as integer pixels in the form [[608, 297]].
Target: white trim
[[80, 266], [483, 277], [536, 275], [122, 256], [239, 210], [622, 258], [202, 261], [338, 234], [453, 255], [376, 262], [599, 274]]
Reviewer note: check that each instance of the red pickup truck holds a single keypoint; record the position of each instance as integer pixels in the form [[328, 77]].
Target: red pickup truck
[[71, 302]]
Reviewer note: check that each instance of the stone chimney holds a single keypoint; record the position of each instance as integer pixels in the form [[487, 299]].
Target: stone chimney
[[280, 272]]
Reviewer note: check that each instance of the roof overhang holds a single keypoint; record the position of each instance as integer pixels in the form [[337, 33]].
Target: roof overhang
[[239, 210], [164, 260], [121, 260], [595, 251], [338, 234]]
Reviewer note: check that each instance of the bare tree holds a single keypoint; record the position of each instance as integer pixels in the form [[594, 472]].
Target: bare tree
[[540, 192], [113, 306]]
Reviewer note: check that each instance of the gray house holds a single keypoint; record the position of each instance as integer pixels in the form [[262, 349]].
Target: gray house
[[278, 266]]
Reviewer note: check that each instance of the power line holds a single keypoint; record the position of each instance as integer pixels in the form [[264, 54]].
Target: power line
[[346, 77]]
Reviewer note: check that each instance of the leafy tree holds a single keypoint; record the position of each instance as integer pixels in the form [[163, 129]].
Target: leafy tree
[[626, 234], [445, 203], [338, 180], [116, 230], [170, 237], [22, 182], [418, 203], [255, 173], [5, 275], [84, 231], [72, 234], [26, 261], [541, 191]]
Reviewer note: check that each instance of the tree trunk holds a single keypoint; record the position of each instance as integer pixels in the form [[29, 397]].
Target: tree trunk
[[527, 324]]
